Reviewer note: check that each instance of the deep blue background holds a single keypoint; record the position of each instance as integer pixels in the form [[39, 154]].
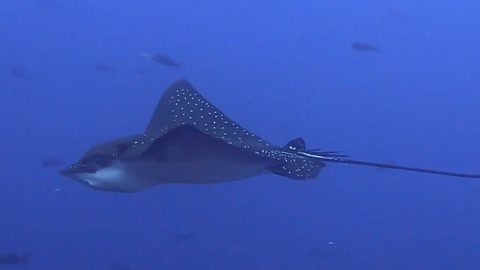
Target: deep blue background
[[283, 70]]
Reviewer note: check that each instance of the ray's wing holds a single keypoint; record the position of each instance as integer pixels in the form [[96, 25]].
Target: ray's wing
[[188, 143], [183, 104]]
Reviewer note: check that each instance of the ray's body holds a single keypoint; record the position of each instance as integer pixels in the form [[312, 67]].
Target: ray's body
[[189, 140]]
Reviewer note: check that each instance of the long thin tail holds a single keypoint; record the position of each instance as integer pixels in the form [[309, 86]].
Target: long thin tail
[[338, 159]]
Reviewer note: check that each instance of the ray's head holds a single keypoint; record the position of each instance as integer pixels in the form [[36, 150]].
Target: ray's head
[[97, 166]]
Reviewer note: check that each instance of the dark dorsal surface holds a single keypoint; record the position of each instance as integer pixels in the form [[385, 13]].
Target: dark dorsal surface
[[182, 104], [185, 143]]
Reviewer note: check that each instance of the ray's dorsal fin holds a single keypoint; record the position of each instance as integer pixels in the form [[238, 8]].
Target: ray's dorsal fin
[[182, 104], [338, 159]]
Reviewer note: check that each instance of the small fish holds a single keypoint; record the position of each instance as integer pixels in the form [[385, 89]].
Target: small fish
[[47, 4], [141, 71], [19, 72], [324, 252], [364, 47], [12, 258], [103, 68], [117, 266], [52, 162], [162, 59], [189, 140], [183, 237]]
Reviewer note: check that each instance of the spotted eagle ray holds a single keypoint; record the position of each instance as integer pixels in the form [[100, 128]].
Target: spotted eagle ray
[[188, 140]]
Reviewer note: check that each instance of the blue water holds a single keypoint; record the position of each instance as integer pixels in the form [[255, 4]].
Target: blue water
[[283, 70]]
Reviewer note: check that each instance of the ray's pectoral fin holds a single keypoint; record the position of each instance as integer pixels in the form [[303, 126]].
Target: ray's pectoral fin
[[177, 144], [186, 142], [335, 158], [182, 104]]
